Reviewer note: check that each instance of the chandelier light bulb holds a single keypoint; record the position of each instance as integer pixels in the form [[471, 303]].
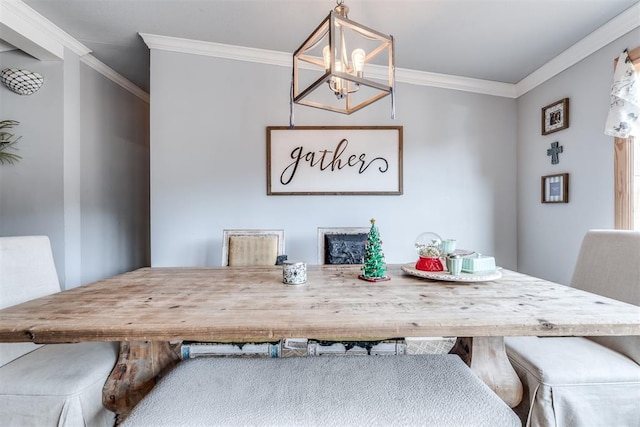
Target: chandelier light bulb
[[339, 86], [357, 58], [326, 56]]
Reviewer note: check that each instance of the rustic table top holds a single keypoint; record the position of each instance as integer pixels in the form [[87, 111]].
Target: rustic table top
[[252, 304]]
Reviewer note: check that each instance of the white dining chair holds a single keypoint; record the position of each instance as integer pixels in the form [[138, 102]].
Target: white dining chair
[[341, 245], [54, 384], [586, 381], [242, 247]]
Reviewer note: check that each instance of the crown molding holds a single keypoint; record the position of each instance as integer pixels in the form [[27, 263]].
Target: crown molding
[[27, 30], [218, 50], [612, 30], [35, 34], [284, 59], [112, 75], [447, 81], [16, 29], [6, 47]]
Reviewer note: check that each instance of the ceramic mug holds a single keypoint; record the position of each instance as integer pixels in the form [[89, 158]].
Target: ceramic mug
[[454, 265], [447, 246], [294, 273]]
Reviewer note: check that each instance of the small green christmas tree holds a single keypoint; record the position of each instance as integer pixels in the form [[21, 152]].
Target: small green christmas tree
[[374, 268]]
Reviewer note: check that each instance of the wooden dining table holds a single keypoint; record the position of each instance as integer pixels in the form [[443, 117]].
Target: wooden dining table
[[149, 310]]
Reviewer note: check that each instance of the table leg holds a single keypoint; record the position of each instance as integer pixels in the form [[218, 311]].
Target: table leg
[[134, 375], [486, 356]]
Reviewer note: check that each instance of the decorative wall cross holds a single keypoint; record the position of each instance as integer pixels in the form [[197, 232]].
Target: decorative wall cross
[[554, 152]]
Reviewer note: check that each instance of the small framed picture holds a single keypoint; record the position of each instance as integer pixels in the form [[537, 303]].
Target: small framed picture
[[555, 116], [555, 188]]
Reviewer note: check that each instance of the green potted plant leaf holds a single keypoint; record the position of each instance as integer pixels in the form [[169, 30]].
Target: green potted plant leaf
[[7, 141]]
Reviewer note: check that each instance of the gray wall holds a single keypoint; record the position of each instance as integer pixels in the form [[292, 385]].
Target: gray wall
[[114, 187], [208, 165], [83, 180], [85, 185], [32, 191], [549, 235]]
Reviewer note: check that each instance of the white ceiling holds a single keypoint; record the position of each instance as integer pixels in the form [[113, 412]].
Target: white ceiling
[[496, 40]]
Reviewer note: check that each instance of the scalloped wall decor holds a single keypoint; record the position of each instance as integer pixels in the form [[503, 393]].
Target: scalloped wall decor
[[22, 82]]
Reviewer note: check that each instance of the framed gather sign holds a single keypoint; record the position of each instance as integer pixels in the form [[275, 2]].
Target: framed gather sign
[[334, 160]]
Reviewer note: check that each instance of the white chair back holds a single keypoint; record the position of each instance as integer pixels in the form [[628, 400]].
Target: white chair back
[[346, 254], [27, 271], [247, 247], [609, 265]]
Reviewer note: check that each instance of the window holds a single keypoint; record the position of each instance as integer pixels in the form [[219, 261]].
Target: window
[[627, 174], [636, 184]]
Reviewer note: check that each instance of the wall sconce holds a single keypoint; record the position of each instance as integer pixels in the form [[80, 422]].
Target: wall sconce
[[325, 58], [22, 82]]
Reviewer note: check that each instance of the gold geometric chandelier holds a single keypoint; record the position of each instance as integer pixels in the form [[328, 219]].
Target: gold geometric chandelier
[[354, 79]]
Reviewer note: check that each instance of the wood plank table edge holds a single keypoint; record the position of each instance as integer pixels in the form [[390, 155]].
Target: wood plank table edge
[[145, 352]]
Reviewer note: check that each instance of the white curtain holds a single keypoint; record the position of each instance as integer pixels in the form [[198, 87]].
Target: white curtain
[[623, 119]]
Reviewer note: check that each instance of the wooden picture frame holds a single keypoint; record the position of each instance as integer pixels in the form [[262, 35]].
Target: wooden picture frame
[[555, 116], [334, 160], [555, 188]]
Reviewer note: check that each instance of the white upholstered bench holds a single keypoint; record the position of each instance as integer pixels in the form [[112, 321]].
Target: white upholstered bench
[[427, 390]]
